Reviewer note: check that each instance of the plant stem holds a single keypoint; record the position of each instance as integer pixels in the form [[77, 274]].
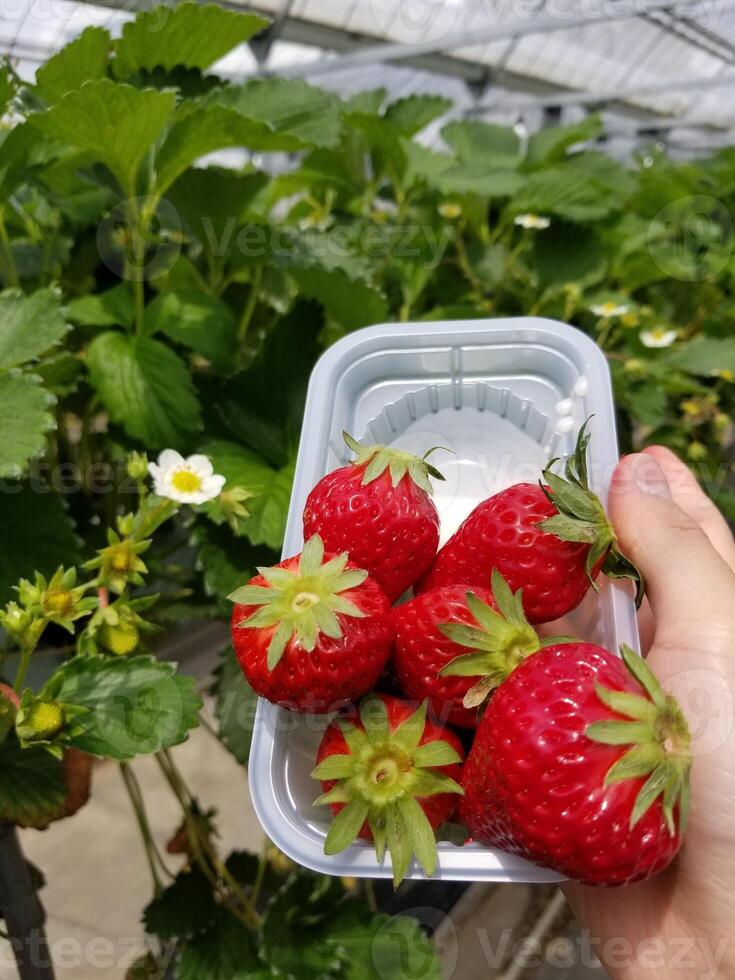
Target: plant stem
[[247, 313], [136, 801], [10, 274], [25, 658]]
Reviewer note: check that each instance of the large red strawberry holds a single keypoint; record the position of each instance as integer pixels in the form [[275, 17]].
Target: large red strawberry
[[312, 633], [551, 540], [581, 763], [379, 509], [455, 646], [391, 776]]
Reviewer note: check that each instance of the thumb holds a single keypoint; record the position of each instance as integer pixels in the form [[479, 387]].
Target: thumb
[[687, 581]]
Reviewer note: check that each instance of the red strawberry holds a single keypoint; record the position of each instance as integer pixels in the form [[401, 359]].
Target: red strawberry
[[379, 509], [581, 763], [390, 777], [550, 540], [312, 634], [434, 633]]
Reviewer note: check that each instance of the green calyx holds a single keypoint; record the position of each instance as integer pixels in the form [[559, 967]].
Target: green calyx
[[658, 734], [501, 640], [582, 518], [380, 779], [378, 459], [302, 603]]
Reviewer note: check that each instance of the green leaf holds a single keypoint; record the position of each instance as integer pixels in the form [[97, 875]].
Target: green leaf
[[113, 308], [226, 951], [24, 420], [419, 833], [240, 466], [703, 355], [32, 786], [204, 129], [184, 909], [213, 202], [414, 112], [116, 124], [567, 253], [82, 59], [36, 535], [478, 178], [23, 150], [146, 388], [483, 143], [204, 324], [136, 706], [584, 187], [264, 404], [29, 325], [550, 144], [225, 561], [8, 86], [296, 926], [384, 946], [268, 511], [190, 34], [235, 703], [288, 105], [351, 302]]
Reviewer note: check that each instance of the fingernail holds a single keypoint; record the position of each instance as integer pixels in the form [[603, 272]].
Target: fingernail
[[648, 475]]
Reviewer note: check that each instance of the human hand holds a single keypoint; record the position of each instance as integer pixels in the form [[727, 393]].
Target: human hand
[[680, 924]]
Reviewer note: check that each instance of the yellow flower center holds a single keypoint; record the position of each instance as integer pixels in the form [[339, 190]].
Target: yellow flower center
[[58, 602], [46, 718], [121, 557], [186, 482]]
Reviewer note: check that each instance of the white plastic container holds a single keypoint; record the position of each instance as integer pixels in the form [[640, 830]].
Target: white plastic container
[[503, 394]]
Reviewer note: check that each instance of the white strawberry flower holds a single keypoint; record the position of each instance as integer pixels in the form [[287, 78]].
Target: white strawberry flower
[[659, 337], [609, 309], [536, 221], [187, 481]]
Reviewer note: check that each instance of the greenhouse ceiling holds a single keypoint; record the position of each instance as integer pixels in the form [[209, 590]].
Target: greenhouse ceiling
[[657, 69]]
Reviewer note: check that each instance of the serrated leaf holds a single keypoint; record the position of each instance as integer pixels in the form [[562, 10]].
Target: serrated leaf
[[190, 34], [567, 253], [137, 705], [146, 388], [203, 324], [36, 533], [478, 178], [116, 124], [24, 420], [414, 112], [32, 786], [552, 142], [113, 308], [234, 706], [266, 523], [296, 927], [77, 62], [29, 325], [226, 951], [351, 302], [584, 187], [184, 909], [703, 355], [481, 142], [383, 947], [225, 561], [263, 405], [212, 202], [206, 128], [288, 105]]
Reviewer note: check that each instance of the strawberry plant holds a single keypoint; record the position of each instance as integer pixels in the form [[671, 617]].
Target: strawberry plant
[[155, 299]]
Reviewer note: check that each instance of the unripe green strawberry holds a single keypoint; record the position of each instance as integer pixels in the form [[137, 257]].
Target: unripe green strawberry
[[120, 638]]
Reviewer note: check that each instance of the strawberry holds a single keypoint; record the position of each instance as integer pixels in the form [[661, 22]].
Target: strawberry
[[552, 540], [434, 633], [389, 777], [581, 763], [312, 633], [379, 509]]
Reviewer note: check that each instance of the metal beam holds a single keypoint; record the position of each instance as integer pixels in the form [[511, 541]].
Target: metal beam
[[516, 27], [587, 98], [262, 44]]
